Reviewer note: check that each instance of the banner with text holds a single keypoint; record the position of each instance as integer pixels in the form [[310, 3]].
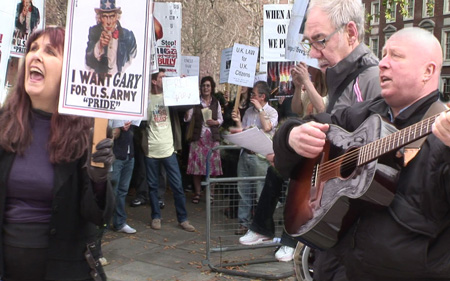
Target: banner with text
[[276, 22], [6, 32], [225, 64], [279, 77], [243, 65], [190, 66], [110, 78], [29, 16], [181, 90], [294, 51], [168, 46]]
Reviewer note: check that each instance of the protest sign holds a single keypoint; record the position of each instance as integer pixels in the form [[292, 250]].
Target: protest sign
[[294, 51], [6, 32], [190, 66], [168, 47], [181, 90], [110, 81], [276, 22], [279, 76], [225, 63], [243, 65], [29, 16]]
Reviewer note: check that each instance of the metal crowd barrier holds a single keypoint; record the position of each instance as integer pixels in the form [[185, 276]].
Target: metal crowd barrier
[[224, 253]]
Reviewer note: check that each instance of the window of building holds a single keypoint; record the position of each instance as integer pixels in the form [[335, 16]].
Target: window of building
[[445, 42], [392, 9], [428, 25], [445, 88], [428, 8], [446, 7], [409, 10], [375, 12], [373, 44], [388, 31]]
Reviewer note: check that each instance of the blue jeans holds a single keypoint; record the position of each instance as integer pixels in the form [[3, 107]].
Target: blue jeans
[[174, 176], [120, 179], [249, 165]]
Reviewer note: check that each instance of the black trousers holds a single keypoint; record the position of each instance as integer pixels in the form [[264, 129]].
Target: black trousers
[[263, 219]]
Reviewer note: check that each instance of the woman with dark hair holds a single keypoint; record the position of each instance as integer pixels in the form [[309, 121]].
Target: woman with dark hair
[[52, 201], [205, 135]]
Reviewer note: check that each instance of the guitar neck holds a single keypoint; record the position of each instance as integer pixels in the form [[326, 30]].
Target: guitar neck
[[374, 150]]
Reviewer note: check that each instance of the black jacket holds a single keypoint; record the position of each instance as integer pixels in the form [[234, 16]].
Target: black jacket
[[411, 238], [75, 220]]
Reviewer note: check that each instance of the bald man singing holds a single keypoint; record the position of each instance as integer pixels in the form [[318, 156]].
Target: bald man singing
[[409, 239]]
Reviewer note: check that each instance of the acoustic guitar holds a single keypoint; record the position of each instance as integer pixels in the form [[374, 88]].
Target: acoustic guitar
[[326, 195]]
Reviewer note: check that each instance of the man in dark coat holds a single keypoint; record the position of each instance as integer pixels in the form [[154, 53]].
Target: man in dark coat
[[408, 239]]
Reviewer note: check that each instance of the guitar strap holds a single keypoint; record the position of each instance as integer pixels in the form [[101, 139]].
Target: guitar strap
[[413, 148]]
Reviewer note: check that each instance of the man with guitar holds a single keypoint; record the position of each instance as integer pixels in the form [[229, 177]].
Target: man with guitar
[[409, 238]]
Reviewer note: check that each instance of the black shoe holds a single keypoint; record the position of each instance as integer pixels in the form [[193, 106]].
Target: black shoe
[[161, 204], [138, 202]]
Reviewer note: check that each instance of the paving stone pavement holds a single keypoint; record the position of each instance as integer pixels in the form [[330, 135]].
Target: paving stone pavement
[[172, 253]]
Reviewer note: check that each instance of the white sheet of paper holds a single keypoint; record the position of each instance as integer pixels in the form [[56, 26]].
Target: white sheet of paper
[[121, 123], [252, 139], [181, 90]]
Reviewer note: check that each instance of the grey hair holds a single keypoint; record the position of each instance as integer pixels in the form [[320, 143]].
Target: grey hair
[[263, 89], [341, 12]]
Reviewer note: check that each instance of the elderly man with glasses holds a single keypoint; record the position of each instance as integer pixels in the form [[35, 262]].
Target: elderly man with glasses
[[334, 35]]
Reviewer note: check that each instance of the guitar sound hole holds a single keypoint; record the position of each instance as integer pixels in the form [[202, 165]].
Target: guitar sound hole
[[348, 165]]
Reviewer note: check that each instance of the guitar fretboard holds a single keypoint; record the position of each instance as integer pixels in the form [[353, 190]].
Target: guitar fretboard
[[375, 149]]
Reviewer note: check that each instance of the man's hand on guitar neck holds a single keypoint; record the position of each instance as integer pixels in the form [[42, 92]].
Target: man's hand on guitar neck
[[308, 139], [441, 127]]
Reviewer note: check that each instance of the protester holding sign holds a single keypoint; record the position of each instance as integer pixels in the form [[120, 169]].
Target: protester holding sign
[[53, 200], [206, 119], [161, 140]]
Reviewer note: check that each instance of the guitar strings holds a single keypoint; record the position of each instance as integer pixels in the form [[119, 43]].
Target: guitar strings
[[397, 140]]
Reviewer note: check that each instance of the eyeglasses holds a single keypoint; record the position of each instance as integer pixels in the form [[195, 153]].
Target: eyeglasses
[[319, 45]]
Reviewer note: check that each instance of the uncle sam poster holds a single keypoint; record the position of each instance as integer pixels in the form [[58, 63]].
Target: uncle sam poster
[[106, 65]]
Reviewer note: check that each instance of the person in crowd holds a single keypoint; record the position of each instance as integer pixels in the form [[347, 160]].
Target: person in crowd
[[53, 200], [262, 228], [27, 17], [110, 48], [159, 143], [122, 171], [205, 136], [416, 221], [334, 35], [265, 117], [310, 96], [230, 157], [244, 103]]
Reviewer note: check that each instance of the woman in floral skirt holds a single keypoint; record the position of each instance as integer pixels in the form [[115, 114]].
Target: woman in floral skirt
[[206, 118]]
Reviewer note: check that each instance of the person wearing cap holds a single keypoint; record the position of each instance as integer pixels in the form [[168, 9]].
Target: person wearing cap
[[110, 47]]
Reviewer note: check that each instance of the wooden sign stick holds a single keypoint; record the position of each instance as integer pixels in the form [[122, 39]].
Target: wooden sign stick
[[237, 101], [100, 127]]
